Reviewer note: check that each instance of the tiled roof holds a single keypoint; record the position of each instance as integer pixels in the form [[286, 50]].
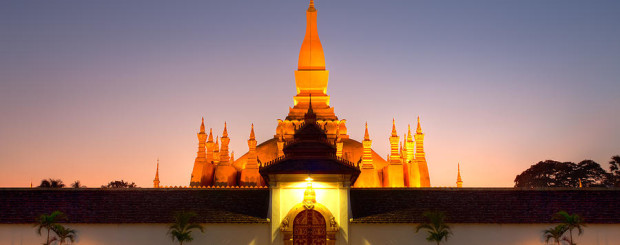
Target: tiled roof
[[483, 205], [135, 205]]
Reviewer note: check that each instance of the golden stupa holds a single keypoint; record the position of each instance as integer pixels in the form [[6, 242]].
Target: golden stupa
[[405, 167]]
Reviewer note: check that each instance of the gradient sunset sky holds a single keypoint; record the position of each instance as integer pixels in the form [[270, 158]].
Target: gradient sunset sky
[[98, 90]]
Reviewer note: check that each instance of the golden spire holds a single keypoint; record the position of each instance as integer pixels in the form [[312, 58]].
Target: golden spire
[[232, 156], [251, 161], [311, 77], [394, 141], [252, 136], [224, 155], [157, 171], [366, 136], [366, 150], [210, 135], [202, 125], [225, 133], [156, 180], [311, 56], [202, 139], [409, 138], [394, 134], [459, 181], [419, 129]]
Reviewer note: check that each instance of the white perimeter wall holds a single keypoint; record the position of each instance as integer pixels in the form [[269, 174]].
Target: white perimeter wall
[[136, 234], [258, 234], [478, 234]]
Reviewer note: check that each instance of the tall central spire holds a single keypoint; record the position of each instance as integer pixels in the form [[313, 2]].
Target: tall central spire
[[311, 55], [311, 76]]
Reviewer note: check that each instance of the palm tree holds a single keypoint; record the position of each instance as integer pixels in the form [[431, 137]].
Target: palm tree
[[554, 233], [64, 233], [437, 228], [51, 183], [570, 222], [48, 222], [181, 229]]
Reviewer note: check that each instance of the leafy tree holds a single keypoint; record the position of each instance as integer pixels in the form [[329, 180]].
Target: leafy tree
[[614, 166], [181, 229], [551, 173], [591, 174], [554, 233], [64, 233], [119, 184], [570, 222], [435, 224], [48, 222], [77, 184], [51, 183]]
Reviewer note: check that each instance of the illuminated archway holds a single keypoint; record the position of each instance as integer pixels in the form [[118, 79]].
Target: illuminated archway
[[316, 211], [309, 228], [309, 222]]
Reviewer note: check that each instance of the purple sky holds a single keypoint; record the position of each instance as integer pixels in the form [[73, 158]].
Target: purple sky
[[97, 90]]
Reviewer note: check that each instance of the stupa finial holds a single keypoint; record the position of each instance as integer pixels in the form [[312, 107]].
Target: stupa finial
[[394, 134], [366, 136], [459, 181], [252, 136], [225, 133], [419, 129], [202, 125], [156, 180], [311, 6]]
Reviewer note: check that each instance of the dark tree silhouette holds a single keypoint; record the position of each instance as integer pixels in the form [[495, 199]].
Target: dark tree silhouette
[[614, 166], [77, 184], [563, 174], [51, 183], [119, 184]]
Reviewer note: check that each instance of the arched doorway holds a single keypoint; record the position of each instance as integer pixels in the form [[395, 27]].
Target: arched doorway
[[309, 228]]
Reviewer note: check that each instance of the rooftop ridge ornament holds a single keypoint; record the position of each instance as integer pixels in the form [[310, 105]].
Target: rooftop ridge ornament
[[310, 116]]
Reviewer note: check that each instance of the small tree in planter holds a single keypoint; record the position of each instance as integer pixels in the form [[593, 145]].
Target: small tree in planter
[[570, 222], [181, 229], [64, 234], [554, 233], [48, 222], [436, 227]]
